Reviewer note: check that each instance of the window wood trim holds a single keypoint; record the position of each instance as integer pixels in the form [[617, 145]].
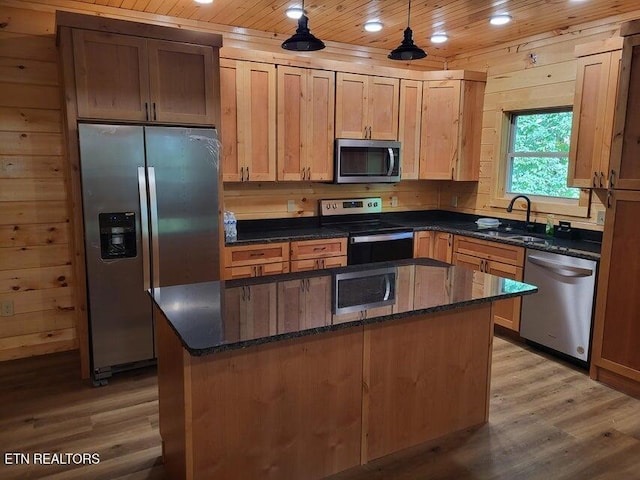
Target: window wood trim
[[498, 197]]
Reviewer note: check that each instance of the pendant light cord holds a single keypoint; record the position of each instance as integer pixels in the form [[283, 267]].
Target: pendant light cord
[[408, 14]]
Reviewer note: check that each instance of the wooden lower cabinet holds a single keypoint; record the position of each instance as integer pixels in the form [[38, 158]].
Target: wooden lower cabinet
[[248, 271], [616, 337], [318, 254], [245, 261], [432, 244], [506, 261]]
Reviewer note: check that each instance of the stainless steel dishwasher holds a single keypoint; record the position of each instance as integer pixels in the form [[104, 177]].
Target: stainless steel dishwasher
[[560, 315]]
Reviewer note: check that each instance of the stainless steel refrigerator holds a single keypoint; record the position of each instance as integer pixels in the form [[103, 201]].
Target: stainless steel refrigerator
[[150, 206]]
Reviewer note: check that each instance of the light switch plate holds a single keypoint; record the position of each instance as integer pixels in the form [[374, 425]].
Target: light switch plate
[[600, 217], [291, 206], [394, 201], [454, 200]]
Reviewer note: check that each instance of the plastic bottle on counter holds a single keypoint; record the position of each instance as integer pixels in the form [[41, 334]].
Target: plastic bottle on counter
[[230, 226]]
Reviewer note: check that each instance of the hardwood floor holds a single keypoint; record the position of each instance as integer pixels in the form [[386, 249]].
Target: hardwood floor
[[548, 421]]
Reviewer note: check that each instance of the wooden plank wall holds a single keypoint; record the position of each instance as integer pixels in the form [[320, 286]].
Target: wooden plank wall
[[270, 200], [511, 76], [35, 257]]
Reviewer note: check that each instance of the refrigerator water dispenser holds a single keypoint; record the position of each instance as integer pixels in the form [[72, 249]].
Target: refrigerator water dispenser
[[117, 235]]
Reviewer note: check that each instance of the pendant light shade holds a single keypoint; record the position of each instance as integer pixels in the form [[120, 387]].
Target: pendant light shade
[[303, 40], [407, 49]]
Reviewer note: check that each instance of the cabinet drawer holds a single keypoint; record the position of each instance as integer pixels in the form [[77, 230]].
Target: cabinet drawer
[[326, 247], [488, 250], [256, 254], [248, 271], [318, 264]]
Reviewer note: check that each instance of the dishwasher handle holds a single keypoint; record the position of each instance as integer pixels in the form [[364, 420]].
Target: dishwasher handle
[[560, 269]]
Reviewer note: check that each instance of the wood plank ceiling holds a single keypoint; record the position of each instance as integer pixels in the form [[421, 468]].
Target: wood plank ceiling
[[465, 21]]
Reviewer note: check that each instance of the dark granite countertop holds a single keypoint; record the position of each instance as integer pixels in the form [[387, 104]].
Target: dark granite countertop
[[207, 319], [586, 244]]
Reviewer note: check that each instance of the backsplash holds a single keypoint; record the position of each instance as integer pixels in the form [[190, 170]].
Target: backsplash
[[272, 200]]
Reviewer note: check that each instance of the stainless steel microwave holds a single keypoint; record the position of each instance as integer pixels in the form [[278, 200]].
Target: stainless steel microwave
[[364, 289], [367, 161]]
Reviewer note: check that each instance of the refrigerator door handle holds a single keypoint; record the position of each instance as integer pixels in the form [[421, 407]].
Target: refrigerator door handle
[[144, 227], [153, 206]]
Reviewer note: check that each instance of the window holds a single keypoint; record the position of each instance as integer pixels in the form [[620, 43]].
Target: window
[[538, 156]]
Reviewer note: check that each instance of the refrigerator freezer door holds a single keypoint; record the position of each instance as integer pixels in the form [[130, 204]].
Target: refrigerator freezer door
[[119, 307], [182, 168]]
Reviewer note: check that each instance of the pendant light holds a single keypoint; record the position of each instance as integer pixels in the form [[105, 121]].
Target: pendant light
[[407, 49], [303, 40]]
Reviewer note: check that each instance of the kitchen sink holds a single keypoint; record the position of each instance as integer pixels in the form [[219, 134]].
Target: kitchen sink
[[514, 236]]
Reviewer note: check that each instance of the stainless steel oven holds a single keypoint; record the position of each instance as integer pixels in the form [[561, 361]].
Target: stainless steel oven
[[364, 289], [367, 161], [370, 239]]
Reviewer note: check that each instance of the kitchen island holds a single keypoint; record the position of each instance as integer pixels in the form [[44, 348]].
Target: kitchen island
[[304, 375]]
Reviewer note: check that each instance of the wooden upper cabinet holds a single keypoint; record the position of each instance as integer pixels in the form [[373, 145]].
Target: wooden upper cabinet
[[181, 82], [124, 77], [367, 106], [625, 150], [306, 103], [451, 129], [112, 75], [409, 127], [248, 105], [593, 113]]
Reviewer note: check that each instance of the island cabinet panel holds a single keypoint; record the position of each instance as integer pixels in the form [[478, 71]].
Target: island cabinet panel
[[125, 77], [304, 303], [425, 378], [306, 103], [287, 410]]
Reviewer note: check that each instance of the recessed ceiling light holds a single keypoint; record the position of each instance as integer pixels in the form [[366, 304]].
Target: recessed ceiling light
[[439, 37], [294, 12], [500, 19], [373, 26], [203, 1]]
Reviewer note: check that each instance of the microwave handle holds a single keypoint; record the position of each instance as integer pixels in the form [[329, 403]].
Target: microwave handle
[[387, 289], [392, 162]]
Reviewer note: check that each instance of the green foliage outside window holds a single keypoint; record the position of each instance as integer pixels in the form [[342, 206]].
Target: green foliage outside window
[[538, 154]]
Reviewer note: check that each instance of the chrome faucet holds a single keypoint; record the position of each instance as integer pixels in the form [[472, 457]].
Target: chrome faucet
[[528, 225]]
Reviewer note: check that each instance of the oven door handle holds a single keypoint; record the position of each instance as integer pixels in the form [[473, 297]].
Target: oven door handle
[[392, 162], [385, 237]]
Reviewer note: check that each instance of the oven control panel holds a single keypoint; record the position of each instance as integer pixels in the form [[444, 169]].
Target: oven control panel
[[347, 206]]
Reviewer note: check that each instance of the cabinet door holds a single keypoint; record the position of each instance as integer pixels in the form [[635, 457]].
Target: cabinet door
[[440, 121], [409, 127], [304, 265], [467, 261], [326, 247], [432, 286], [609, 118], [293, 99], [274, 268], [351, 105], [404, 289], [317, 303], [247, 255], [259, 318], [495, 251], [616, 337], [589, 111], [443, 247], [290, 305], [334, 262], [625, 149], [506, 312], [230, 80], [384, 101], [423, 244], [319, 124], [112, 75], [181, 82], [257, 121], [306, 102]]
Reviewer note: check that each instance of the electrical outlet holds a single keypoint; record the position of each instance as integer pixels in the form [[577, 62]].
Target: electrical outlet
[[291, 206], [394, 201], [454, 200], [6, 308], [600, 217]]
